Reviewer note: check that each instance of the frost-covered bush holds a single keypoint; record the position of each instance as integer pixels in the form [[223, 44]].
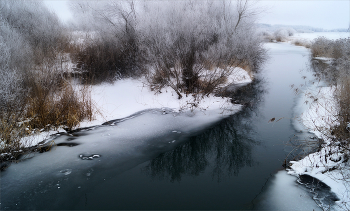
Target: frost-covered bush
[[39, 27], [321, 47], [291, 31], [182, 50], [33, 94], [266, 35], [302, 42], [177, 41], [281, 35], [113, 51], [15, 56], [11, 91]]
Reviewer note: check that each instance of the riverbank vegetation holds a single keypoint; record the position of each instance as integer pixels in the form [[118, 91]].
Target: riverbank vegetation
[[34, 95], [336, 70], [284, 35]]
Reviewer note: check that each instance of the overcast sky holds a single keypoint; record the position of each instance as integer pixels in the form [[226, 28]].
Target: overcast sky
[[327, 14]]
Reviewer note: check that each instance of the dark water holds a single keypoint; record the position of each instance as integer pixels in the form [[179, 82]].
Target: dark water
[[172, 161]]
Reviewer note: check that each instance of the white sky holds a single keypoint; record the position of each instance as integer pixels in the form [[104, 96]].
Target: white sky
[[327, 14]]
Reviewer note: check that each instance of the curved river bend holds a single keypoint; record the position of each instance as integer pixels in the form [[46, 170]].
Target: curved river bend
[[163, 160]]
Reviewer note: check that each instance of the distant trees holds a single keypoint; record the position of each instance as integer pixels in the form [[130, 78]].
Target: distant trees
[[187, 45], [279, 35]]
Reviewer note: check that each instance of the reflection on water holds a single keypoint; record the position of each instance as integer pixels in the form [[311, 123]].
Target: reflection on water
[[227, 147]]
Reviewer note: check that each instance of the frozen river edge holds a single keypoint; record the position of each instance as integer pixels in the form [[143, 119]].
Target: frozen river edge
[[328, 165]]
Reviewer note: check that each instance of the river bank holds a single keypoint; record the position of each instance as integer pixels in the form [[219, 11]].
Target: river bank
[[329, 164]]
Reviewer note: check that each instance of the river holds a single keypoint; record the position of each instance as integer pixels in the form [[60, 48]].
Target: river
[[159, 159]]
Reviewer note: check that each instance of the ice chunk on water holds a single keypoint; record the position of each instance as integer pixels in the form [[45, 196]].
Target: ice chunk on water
[[89, 157], [66, 171]]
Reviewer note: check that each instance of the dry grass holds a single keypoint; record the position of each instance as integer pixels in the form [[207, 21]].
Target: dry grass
[[321, 47], [51, 102], [342, 130], [107, 59], [302, 42], [62, 108]]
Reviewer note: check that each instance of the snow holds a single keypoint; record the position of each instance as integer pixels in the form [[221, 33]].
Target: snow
[[36, 138], [325, 59], [322, 110]]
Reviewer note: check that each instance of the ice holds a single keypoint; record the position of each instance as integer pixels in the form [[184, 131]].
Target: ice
[[129, 143], [285, 194], [66, 171]]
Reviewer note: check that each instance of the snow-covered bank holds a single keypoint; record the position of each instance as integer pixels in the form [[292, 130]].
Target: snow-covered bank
[[329, 165], [126, 97]]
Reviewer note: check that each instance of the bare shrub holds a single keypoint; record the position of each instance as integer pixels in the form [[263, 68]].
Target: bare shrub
[[33, 94], [267, 36], [183, 51], [281, 35], [103, 60], [302, 42], [113, 51], [63, 108], [321, 47]]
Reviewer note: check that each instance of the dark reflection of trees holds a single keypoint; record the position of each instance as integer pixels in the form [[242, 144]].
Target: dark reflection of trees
[[226, 147]]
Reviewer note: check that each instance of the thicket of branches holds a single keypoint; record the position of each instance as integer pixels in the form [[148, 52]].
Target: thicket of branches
[[339, 73], [190, 46], [33, 95]]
